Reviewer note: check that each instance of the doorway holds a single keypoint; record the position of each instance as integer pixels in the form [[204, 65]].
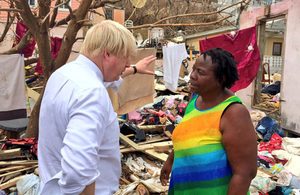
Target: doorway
[[271, 41]]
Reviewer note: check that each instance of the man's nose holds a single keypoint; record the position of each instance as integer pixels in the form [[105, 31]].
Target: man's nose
[[127, 63]]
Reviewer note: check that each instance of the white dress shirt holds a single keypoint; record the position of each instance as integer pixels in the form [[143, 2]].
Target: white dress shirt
[[78, 132]]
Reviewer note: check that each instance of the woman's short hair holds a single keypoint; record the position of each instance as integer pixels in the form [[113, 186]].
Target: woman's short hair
[[226, 66], [109, 35]]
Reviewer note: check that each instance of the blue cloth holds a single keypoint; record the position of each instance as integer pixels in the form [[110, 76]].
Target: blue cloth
[[267, 127]]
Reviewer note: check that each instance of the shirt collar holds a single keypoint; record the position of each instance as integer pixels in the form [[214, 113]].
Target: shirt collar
[[90, 64]]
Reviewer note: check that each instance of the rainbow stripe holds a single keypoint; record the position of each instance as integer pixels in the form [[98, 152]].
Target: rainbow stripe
[[200, 161]]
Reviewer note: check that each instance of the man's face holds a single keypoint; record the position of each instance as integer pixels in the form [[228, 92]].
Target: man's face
[[115, 67]]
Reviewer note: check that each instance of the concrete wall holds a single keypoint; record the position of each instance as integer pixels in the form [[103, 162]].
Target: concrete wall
[[291, 68]]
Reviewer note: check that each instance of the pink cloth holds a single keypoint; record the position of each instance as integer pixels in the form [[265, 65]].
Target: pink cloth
[[134, 115], [21, 30], [242, 44], [55, 47]]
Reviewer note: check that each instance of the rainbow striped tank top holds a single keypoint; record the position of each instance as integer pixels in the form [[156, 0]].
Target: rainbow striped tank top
[[200, 164]]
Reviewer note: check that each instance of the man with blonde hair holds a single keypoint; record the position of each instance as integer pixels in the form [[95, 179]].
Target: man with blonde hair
[[79, 132]]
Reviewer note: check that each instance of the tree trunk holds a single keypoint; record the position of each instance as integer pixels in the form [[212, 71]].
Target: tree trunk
[[33, 125]]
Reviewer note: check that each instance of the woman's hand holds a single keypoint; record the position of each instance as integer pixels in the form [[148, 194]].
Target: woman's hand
[[166, 169]]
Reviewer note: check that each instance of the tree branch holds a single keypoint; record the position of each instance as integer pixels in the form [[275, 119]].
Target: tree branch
[[11, 9], [57, 6], [193, 24], [9, 21], [21, 45], [31, 61], [94, 6], [98, 4], [95, 12], [53, 17], [198, 14], [28, 18]]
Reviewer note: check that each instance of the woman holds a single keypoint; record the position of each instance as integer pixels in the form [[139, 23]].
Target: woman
[[215, 149]]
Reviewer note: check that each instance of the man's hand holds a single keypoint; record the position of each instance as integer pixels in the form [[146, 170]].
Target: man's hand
[[143, 64]]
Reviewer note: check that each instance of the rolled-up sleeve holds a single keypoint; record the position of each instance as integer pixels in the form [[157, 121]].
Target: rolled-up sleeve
[[115, 85], [84, 134]]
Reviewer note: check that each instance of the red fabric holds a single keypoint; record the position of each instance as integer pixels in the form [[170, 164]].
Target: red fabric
[[21, 30], [273, 144], [55, 47], [238, 45]]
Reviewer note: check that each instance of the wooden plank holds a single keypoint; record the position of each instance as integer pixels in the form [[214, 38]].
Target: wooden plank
[[262, 40], [33, 94], [161, 148], [147, 146], [9, 154], [18, 162], [12, 168], [10, 183], [148, 142], [266, 172], [160, 156], [154, 140], [28, 168], [131, 143]]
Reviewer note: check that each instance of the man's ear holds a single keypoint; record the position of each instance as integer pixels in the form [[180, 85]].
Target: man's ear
[[106, 54]]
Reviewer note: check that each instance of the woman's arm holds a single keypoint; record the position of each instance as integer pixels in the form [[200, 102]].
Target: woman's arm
[[239, 141], [166, 169]]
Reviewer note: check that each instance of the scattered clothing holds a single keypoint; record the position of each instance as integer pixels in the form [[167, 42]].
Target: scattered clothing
[[28, 185], [291, 145], [272, 89], [262, 185], [267, 127]]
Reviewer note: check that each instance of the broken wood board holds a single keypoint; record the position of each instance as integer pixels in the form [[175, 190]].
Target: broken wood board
[[10, 154], [148, 146], [33, 94], [148, 142], [10, 183], [11, 168], [18, 162], [161, 149], [266, 172], [131, 143], [160, 156], [9, 173]]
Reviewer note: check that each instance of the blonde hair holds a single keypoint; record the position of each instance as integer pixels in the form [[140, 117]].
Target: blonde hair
[[109, 35]]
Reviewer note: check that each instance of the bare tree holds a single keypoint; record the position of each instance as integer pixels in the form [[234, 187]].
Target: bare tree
[[185, 15], [39, 22]]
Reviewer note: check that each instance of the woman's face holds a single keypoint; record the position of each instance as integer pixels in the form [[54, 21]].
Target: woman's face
[[202, 78]]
